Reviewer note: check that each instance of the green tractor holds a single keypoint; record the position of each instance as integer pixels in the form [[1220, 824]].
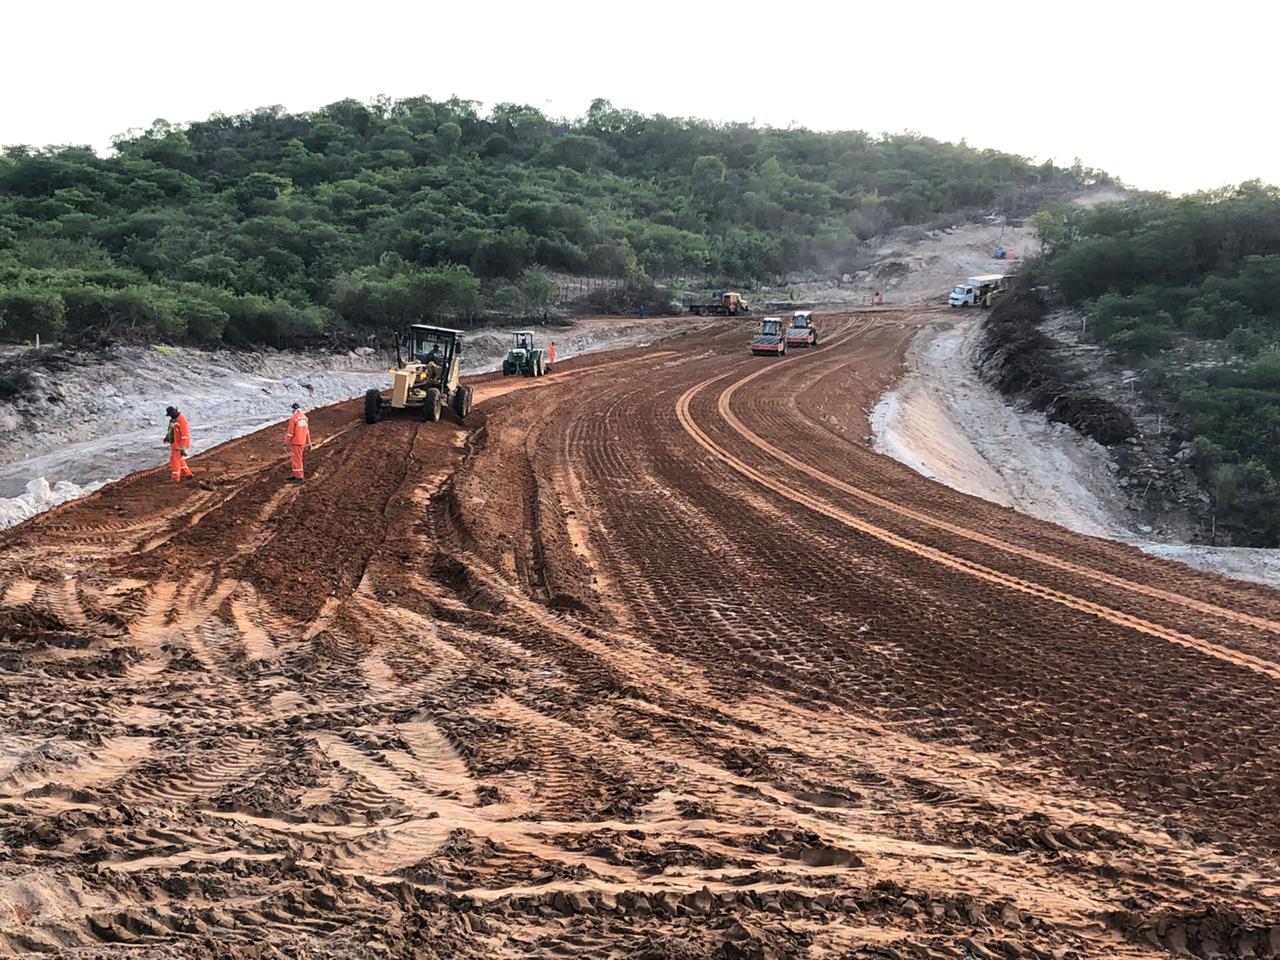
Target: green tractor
[[428, 379], [525, 356]]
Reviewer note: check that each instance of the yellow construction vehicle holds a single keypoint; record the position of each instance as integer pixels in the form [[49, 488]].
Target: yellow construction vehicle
[[721, 304], [429, 377]]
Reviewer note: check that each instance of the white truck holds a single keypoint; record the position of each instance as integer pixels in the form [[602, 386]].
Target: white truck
[[977, 291]]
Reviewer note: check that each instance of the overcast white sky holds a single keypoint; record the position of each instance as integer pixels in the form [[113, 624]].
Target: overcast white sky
[[1167, 95]]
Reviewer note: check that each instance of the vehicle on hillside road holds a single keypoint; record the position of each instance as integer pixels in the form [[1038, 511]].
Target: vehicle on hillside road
[[978, 291], [720, 305]]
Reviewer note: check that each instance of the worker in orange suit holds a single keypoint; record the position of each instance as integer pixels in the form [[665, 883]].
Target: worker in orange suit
[[297, 436], [551, 355], [178, 437]]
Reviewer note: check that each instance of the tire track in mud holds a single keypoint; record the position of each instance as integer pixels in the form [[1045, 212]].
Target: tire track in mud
[[1156, 686], [1257, 664], [808, 437], [724, 409], [639, 573]]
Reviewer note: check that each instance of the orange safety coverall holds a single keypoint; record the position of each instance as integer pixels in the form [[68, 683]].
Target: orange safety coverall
[[179, 441], [551, 355], [297, 435]]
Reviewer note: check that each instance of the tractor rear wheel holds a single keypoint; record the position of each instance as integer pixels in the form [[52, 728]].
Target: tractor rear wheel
[[431, 408], [372, 406]]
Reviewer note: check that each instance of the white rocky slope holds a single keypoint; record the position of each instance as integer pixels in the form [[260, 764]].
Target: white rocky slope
[[945, 422]]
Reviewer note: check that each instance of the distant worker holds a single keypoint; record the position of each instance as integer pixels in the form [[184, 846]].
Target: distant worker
[[879, 297], [178, 437], [297, 437], [551, 355], [642, 311]]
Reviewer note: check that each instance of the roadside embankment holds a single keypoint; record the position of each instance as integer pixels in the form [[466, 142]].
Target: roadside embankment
[[945, 422]]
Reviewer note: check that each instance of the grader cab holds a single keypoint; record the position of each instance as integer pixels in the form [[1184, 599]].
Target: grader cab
[[426, 378]]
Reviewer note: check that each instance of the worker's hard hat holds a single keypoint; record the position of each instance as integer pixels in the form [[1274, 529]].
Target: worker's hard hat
[[170, 411], [294, 405]]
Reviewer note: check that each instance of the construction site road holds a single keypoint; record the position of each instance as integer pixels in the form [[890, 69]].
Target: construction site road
[[653, 657]]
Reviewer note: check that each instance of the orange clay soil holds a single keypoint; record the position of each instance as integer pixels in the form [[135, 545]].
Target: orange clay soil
[[652, 657]]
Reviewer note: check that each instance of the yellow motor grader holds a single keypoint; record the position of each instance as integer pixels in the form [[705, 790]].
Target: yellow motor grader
[[427, 378]]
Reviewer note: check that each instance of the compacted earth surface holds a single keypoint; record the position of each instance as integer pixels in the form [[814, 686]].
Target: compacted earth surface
[[652, 657]]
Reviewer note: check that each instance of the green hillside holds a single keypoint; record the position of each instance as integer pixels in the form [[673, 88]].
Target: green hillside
[[1187, 289], [273, 227]]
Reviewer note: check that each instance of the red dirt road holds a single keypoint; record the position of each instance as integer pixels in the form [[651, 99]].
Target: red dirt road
[[654, 657]]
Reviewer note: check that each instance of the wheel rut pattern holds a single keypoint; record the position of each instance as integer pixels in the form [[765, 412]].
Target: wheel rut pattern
[[651, 657]]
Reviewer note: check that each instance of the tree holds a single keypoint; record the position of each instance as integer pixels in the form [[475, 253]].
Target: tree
[[255, 189], [538, 292], [448, 136], [708, 174], [451, 291], [1051, 229]]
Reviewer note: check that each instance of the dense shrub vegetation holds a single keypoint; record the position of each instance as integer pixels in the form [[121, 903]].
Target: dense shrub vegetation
[[1190, 289], [1020, 359], [270, 226]]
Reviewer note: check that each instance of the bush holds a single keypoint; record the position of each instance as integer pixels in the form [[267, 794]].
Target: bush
[[628, 299], [26, 313], [13, 384], [1247, 342], [1264, 372], [1211, 315], [1136, 337]]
